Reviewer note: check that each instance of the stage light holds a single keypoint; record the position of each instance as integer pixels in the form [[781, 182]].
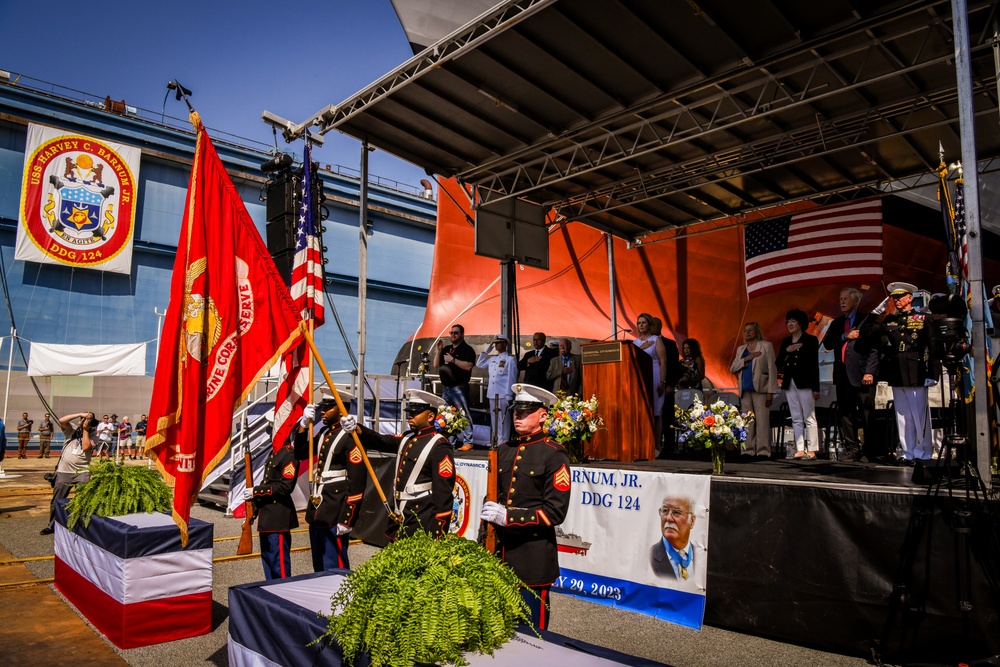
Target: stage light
[[277, 163]]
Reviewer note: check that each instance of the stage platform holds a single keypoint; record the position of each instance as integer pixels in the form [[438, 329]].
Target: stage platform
[[850, 557]]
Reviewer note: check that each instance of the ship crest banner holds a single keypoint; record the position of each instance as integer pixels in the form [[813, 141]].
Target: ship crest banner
[[78, 201]]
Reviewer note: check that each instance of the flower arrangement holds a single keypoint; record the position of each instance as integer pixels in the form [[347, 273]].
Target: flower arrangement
[[718, 427], [571, 422], [451, 420]]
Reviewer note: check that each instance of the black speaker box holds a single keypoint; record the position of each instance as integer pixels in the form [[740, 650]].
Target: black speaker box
[[931, 472], [281, 234]]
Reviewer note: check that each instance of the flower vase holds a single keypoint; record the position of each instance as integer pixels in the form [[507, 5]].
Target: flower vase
[[718, 459]]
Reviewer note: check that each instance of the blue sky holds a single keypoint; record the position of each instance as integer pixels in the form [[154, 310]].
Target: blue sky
[[238, 58]]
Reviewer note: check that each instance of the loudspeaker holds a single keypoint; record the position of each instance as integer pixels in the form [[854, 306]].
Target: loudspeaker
[[281, 234], [283, 194], [930, 472], [283, 261]]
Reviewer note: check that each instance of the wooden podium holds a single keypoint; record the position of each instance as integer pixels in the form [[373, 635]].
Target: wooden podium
[[621, 376]]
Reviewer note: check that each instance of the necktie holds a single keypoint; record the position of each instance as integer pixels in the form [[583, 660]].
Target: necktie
[[685, 563], [564, 384]]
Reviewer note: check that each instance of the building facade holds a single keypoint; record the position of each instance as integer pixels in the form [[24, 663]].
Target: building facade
[[63, 305]]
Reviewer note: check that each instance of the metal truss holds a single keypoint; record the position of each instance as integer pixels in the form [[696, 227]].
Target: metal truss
[[467, 38], [720, 104], [830, 196], [826, 138]]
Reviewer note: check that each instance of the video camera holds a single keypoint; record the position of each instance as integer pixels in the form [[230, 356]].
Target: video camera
[[951, 340]]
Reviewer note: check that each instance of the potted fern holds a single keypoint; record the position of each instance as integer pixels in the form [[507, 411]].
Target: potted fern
[[115, 489], [425, 600]]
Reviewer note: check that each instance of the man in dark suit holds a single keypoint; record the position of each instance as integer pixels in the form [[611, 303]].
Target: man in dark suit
[[535, 362], [672, 556], [855, 367], [565, 371]]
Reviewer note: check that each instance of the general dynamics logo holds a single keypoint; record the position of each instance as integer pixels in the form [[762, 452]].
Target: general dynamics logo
[[79, 200]]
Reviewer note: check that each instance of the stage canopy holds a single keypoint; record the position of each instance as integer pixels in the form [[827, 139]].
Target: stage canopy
[[642, 118]]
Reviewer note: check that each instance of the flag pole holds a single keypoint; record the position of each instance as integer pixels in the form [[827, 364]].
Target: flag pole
[[343, 411], [312, 324]]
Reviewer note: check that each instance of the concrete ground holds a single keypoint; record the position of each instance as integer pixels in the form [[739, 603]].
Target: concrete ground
[[41, 628]]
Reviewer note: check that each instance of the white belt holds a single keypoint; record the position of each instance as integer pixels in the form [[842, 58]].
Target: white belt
[[415, 491], [332, 476]]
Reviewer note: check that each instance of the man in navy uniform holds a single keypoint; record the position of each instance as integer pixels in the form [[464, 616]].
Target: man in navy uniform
[[909, 367], [272, 501], [532, 499], [424, 486], [338, 482]]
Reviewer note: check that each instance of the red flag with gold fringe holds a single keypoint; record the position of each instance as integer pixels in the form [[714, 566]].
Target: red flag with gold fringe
[[230, 319]]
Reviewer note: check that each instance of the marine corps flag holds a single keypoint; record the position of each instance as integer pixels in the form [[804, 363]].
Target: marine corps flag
[[230, 318]]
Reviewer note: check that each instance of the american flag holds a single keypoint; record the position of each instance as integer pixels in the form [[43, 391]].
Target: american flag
[[961, 237], [307, 292], [831, 244]]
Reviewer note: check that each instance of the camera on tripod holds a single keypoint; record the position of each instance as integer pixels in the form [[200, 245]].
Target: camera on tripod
[[951, 338]]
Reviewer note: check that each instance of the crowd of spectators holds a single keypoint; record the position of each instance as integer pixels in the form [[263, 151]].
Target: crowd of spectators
[[113, 437]]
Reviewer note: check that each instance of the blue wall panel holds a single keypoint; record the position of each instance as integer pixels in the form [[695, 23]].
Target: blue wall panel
[[57, 304]]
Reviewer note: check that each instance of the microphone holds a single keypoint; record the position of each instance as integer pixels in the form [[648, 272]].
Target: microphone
[[626, 330]]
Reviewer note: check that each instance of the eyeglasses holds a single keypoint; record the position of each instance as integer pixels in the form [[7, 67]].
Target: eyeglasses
[[675, 512], [455, 333], [416, 410]]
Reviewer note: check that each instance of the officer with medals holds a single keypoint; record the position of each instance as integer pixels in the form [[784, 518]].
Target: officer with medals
[[532, 499], [425, 470], [338, 482], [272, 501], [910, 368]]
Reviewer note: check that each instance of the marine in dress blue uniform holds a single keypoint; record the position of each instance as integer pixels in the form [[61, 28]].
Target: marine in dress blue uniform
[[532, 499], [424, 485], [276, 517], [338, 484], [909, 367]]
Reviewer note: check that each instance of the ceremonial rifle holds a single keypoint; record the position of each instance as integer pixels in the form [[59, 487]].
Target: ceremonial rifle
[[246, 537], [492, 475]]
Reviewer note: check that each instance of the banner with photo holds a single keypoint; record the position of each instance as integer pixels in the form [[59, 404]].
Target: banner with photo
[[78, 201], [639, 541], [631, 539]]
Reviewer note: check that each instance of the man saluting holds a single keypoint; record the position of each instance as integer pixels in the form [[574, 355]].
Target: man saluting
[[425, 470], [532, 499]]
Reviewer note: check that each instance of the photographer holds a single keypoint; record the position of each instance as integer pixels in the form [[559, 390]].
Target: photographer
[[73, 466]]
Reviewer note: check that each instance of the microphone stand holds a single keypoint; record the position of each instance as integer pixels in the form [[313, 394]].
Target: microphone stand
[[399, 412], [620, 330]]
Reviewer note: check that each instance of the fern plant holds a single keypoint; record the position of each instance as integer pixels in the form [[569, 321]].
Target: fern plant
[[426, 600], [115, 490]]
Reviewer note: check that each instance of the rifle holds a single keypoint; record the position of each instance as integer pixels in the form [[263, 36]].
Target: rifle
[[246, 537], [492, 476]]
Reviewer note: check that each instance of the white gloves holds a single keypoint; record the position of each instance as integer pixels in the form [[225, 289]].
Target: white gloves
[[930, 382], [248, 493], [349, 423], [879, 309], [342, 529], [494, 513], [308, 415]]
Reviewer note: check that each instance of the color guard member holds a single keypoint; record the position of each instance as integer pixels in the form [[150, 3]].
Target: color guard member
[[338, 482], [423, 490], [272, 501], [532, 499]]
